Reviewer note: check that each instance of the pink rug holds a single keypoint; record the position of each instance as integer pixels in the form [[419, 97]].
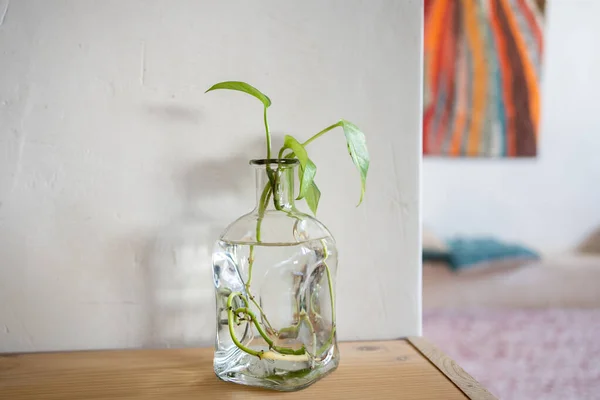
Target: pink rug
[[523, 354]]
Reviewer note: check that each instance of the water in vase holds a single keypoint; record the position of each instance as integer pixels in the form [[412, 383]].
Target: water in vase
[[275, 312]]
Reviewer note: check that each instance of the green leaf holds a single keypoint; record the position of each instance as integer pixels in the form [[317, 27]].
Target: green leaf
[[357, 147], [313, 194], [242, 87], [308, 169]]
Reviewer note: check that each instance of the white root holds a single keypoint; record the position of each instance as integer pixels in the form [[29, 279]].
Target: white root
[[271, 355]]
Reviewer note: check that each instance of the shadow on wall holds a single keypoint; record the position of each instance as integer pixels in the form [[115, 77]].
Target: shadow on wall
[[177, 262]]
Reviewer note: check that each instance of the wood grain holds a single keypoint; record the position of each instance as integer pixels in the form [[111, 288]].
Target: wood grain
[[452, 370], [368, 370]]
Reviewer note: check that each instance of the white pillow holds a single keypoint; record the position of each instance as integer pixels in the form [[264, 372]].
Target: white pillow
[[432, 243], [591, 244]]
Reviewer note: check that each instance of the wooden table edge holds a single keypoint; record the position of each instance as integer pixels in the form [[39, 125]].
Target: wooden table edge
[[447, 366], [456, 377]]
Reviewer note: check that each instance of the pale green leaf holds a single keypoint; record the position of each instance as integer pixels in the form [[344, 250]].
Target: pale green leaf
[[242, 87], [313, 194], [357, 147], [308, 169]]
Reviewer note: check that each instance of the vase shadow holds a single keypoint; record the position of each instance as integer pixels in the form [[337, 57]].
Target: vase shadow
[[177, 267]]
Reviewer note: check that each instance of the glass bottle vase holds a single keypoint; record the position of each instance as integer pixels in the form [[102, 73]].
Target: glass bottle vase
[[274, 274]]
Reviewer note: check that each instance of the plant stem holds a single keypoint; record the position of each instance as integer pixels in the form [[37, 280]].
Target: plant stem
[[262, 205], [250, 317], [324, 131], [290, 330], [332, 297], [275, 352], [311, 328], [230, 322], [330, 290], [293, 330], [329, 280], [264, 200], [327, 343], [262, 313], [276, 191], [280, 156], [267, 133]]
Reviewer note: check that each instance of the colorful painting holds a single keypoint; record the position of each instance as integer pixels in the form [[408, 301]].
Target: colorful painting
[[482, 69]]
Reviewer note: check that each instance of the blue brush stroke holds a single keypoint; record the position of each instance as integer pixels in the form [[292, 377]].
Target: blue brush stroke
[[450, 124], [439, 111], [497, 74]]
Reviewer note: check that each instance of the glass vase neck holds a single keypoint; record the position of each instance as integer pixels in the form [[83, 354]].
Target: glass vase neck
[[275, 184]]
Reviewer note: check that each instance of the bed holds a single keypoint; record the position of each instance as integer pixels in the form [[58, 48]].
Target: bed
[[567, 281]]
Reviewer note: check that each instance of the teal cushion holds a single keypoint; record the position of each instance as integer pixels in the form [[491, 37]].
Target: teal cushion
[[435, 255], [466, 252]]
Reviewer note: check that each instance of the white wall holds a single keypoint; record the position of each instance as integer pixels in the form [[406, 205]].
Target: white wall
[[117, 174], [553, 201]]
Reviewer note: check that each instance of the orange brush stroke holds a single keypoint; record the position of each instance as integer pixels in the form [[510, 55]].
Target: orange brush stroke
[[434, 23], [480, 82], [433, 27], [446, 69], [461, 101], [528, 67]]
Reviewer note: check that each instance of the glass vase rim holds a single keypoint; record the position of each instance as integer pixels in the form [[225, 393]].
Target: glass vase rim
[[276, 162]]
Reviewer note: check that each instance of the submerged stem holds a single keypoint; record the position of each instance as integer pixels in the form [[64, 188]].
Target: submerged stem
[[311, 328], [264, 200], [250, 317], [329, 280], [262, 205], [332, 297], [234, 317], [231, 322]]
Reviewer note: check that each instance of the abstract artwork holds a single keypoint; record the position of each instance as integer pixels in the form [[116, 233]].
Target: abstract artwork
[[482, 70]]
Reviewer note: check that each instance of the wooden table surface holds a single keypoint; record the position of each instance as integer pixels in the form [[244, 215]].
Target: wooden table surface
[[400, 369]]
